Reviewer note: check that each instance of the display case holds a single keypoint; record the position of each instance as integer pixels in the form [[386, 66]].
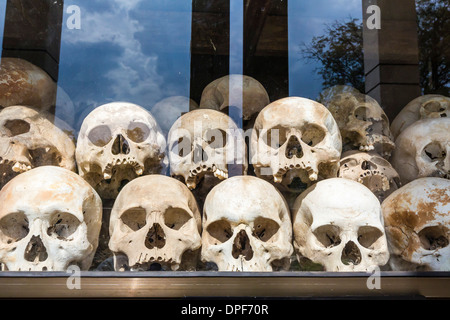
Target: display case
[[224, 148]]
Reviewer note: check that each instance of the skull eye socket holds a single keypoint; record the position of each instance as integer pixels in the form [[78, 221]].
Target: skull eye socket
[[264, 228], [134, 218], [435, 237], [275, 137], [220, 230], [348, 163], [368, 235], [138, 132], [62, 225], [434, 152], [100, 136], [380, 161], [17, 127], [312, 134], [433, 106], [361, 113], [14, 227], [182, 147], [175, 218], [328, 235], [216, 138]]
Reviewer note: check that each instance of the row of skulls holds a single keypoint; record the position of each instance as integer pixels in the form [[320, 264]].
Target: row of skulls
[[51, 218], [296, 144]]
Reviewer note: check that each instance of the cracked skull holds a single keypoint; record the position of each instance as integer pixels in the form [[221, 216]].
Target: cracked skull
[[224, 94], [362, 122], [50, 219], [155, 224], [295, 142], [372, 170], [423, 150], [418, 225], [423, 107], [205, 142], [30, 138], [246, 226], [118, 142], [338, 224]]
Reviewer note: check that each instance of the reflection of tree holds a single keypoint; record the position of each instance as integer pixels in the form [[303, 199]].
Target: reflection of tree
[[340, 52], [434, 44]]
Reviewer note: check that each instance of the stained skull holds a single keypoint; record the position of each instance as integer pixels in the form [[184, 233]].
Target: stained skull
[[363, 124], [418, 225]]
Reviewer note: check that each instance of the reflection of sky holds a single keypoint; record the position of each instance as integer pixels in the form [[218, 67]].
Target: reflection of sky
[[2, 18], [307, 19], [139, 51], [136, 51]]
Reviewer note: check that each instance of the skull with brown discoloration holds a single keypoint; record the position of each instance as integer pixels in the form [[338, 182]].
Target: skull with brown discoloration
[[417, 224], [363, 124]]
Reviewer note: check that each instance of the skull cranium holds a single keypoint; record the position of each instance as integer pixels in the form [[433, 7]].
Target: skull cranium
[[295, 142], [417, 224], [50, 219], [246, 226], [118, 142], [156, 224], [338, 224], [30, 138]]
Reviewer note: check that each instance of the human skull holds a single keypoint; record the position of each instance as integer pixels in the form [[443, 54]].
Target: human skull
[[427, 106], [23, 83], [329, 93], [362, 122], [205, 141], [30, 138], [170, 109], [370, 169], [338, 224], [417, 225], [295, 142], [50, 219], [246, 226], [423, 150], [156, 224], [118, 142], [222, 94]]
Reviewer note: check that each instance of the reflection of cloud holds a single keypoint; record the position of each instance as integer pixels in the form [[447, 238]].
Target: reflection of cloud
[[135, 73]]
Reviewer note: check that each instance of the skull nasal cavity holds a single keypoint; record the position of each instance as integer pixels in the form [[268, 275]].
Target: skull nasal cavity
[[242, 247], [199, 154], [351, 254], [35, 250], [155, 237], [120, 146], [294, 148]]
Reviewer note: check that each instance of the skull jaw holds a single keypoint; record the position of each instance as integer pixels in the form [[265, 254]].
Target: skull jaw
[[157, 260]]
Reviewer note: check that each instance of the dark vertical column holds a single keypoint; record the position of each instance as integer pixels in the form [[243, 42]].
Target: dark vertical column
[[266, 45], [391, 54], [210, 45], [33, 32]]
